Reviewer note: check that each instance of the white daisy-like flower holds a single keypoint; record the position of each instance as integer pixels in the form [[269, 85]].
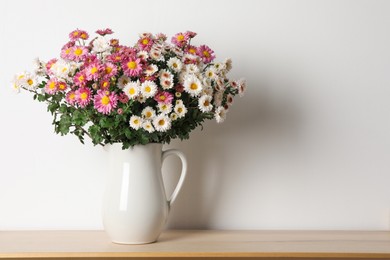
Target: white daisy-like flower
[[122, 81], [192, 68], [39, 67], [165, 74], [61, 69], [151, 69], [166, 83], [141, 99], [192, 85], [220, 114], [178, 94], [165, 108], [219, 66], [131, 89], [228, 64], [31, 81], [180, 110], [148, 88], [147, 126], [175, 64], [179, 102], [100, 44], [162, 123], [135, 122], [148, 113], [19, 81], [156, 55], [173, 116], [204, 103], [143, 55], [211, 73]]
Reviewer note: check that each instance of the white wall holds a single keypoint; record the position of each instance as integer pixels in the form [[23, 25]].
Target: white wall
[[308, 147]]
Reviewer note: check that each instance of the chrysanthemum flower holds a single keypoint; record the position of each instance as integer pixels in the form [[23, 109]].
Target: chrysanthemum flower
[[156, 55], [123, 98], [145, 43], [190, 34], [161, 37], [220, 114], [180, 109], [148, 89], [100, 44], [192, 85], [163, 97], [122, 81], [78, 34], [204, 103], [105, 101], [131, 89], [205, 53], [241, 87], [62, 86], [83, 96], [50, 64], [143, 55], [115, 57], [80, 79], [66, 52], [104, 32], [180, 39], [110, 70], [148, 113], [166, 83], [147, 126], [175, 64], [132, 67], [192, 69], [30, 81], [104, 84], [151, 69], [61, 69], [71, 98], [164, 108], [92, 71], [51, 87], [162, 123], [173, 116], [135, 122], [211, 73], [78, 53]]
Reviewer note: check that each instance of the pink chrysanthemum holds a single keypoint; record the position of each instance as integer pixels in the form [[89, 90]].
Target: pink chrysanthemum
[[110, 70], [180, 39], [123, 98], [205, 53], [80, 79], [105, 84], [78, 53], [104, 32], [132, 67], [145, 43], [115, 57], [51, 87], [78, 34], [191, 49], [190, 34], [105, 101], [90, 59], [71, 98], [49, 64], [67, 50], [163, 97], [92, 71], [83, 96]]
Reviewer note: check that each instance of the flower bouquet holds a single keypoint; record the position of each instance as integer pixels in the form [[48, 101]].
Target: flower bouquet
[[151, 92]]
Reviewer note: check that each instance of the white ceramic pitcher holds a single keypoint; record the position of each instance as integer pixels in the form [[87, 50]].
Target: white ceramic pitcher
[[135, 206]]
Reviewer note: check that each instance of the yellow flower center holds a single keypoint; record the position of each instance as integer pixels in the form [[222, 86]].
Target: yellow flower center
[[206, 103], [67, 51], [93, 70], [179, 109], [164, 107], [62, 86], [78, 52], [180, 37], [64, 69], [75, 33], [124, 82], [136, 121], [83, 36], [105, 84], [145, 41], [148, 89], [148, 114], [132, 65], [162, 98], [194, 86], [105, 100], [132, 91], [84, 96], [52, 85], [30, 82], [206, 54], [161, 122], [192, 51], [81, 78], [174, 65], [108, 70]]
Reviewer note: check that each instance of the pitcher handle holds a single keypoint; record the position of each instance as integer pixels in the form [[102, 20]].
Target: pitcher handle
[[179, 184]]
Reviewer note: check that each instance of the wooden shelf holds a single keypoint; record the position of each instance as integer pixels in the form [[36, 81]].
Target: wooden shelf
[[176, 244]]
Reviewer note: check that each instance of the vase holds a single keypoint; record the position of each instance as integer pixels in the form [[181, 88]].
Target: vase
[[135, 205]]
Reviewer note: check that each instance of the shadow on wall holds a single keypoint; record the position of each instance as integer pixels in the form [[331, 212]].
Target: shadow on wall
[[256, 124]]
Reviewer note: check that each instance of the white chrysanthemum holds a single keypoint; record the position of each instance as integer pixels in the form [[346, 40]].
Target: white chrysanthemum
[[165, 74], [162, 123], [173, 116], [175, 64], [166, 83], [61, 69], [100, 44], [228, 64], [179, 102], [18, 81], [135, 122], [31, 81], [151, 69], [147, 126], [220, 114], [39, 67], [211, 73], [131, 89], [164, 108], [148, 113], [192, 85], [204, 103], [143, 55], [148, 89], [219, 66], [122, 81], [141, 99], [192, 68], [180, 110], [156, 55]]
